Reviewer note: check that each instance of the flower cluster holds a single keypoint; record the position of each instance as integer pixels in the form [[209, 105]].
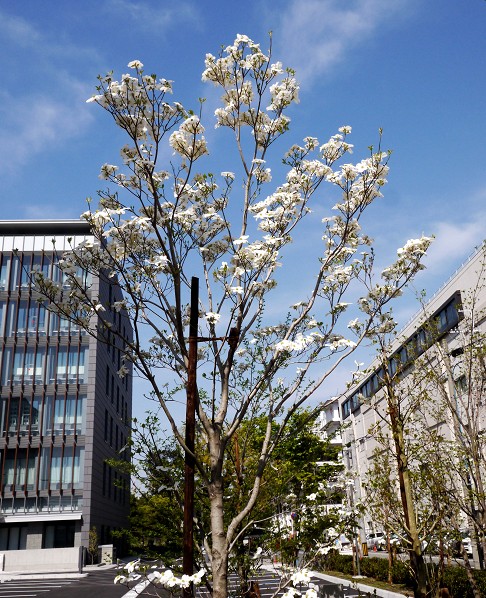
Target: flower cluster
[[134, 571]]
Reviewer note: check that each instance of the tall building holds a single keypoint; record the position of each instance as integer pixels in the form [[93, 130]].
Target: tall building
[[63, 409]]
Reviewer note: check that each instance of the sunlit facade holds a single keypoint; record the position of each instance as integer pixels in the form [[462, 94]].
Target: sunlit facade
[[363, 404], [63, 409]]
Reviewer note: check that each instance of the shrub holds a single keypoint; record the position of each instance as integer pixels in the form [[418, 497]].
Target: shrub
[[456, 581]]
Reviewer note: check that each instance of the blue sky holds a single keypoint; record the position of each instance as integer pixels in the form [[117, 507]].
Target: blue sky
[[414, 68]]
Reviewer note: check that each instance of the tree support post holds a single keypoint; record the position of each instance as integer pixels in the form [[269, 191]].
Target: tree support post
[[191, 392]]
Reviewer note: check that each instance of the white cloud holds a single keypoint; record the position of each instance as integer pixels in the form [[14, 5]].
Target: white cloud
[[454, 242], [50, 109], [18, 30], [35, 124], [151, 15], [315, 36]]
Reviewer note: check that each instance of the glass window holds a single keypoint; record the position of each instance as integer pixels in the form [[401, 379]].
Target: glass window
[[80, 415], [13, 416], [34, 416], [40, 263], [14, 273], [44, 468], [67, 468], [3, 314], [47, 415], [17, 318], [18, 365], [20, 477], [59, 407], [4, 269], [25, 270], [55, 469], [31, 470], [6, 365], [36, 321]]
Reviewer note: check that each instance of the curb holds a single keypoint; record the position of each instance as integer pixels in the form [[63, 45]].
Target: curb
[[345, 583]]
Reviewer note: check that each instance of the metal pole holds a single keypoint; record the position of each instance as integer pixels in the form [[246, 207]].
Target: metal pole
[[191, 395]]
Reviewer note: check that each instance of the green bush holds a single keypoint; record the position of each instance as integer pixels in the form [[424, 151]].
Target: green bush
[[456, 581], [375, 568], [454, 577], [337, 562]]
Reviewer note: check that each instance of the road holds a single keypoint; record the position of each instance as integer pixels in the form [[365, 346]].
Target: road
[[99, 584]]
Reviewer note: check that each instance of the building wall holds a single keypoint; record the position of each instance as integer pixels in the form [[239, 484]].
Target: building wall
[[54, 484], [361, 404]]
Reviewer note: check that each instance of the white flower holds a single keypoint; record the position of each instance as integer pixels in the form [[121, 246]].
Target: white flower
[[135, 64], [98, 308], [123, 371], [228, 175], [119, 305], [258, 552], [211, 317], [243, 239], [302, 576], [132, 566]]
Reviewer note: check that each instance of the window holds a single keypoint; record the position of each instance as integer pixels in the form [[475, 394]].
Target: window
[[18, 365], [13, 537], [59, 535], [4, 272], [14, 273], [6, 365], [3, 312], [78, 467], [55, 469], [346, 408], [47, 415]]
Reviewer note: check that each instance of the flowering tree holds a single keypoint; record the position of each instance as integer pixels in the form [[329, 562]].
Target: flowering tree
[[167, 222]]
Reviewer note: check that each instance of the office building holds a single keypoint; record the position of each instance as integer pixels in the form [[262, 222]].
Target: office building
[[442, 320], [63, 409]]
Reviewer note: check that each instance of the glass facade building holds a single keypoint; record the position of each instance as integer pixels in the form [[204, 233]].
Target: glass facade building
[[63, 409]]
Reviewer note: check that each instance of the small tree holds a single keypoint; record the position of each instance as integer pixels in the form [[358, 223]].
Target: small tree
[[170, 219], [93, 544], [457, 376], [428, 465]]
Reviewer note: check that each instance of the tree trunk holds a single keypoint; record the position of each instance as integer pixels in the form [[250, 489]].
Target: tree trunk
[[219, 542], [417, 562], [467, 565]]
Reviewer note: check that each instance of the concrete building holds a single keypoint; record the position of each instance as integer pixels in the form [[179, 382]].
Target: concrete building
[[361, 404], [63, 409]]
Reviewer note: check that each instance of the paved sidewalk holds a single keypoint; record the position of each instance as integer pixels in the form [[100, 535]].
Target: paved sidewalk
[[9, 575], [355, 584], [362, 587]]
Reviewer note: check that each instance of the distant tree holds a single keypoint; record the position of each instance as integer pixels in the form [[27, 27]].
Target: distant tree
[[162, 220]]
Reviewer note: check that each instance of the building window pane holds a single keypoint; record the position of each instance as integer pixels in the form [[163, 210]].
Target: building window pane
[[4, 269]]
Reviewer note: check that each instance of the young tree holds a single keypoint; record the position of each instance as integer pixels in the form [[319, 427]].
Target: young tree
[[93, 544], [456, 374], [428, 464], [156, 471], [171, 219], [407, 481]]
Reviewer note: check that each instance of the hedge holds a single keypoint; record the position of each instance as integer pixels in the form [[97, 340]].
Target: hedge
[[454, 577]]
